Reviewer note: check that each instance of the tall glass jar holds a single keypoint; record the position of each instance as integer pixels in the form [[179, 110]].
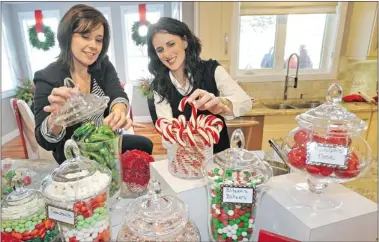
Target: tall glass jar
[[23, 216], [235, 183], [186, 161], [327, 147], [156, 217], [77, 196]]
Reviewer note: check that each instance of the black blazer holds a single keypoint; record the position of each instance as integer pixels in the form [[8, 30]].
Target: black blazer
[[52, 76]]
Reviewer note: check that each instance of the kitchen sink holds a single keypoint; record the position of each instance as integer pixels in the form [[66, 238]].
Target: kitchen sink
[[306, 105], [279, 106], [293, 106]]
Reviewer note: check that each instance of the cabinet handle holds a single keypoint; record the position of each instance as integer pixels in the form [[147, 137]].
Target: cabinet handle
[[226, 44]]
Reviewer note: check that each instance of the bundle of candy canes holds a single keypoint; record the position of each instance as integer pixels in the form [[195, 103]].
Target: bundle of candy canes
[[208, 128], [192, 138]]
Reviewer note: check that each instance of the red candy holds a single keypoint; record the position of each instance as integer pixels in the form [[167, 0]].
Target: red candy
[[352, 167], [297, 156], [301, 137]]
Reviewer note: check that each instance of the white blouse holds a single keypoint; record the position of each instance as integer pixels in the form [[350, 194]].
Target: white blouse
[[227, 87]]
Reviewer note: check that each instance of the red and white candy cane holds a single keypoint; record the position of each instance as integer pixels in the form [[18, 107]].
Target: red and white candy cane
[[181, 107]]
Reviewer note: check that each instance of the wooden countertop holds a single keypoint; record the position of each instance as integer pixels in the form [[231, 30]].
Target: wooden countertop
[[259, 109]]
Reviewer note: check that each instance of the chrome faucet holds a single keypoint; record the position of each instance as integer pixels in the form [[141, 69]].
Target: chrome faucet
[[288, 76]]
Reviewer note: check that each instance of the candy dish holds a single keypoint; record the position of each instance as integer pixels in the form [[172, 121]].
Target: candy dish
[[327, 147], [77, 197], [235, 184], [191, 143], [156, 217]]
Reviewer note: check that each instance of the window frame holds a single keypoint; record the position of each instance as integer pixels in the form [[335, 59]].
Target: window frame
[[108, 11], [5, 40], [128, 9], [27, 15], [258, 75]]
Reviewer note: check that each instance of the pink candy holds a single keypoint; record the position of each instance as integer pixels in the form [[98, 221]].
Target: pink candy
[[208, 128]]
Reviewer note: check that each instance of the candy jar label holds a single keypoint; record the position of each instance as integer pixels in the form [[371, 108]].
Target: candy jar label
[[61, 215], [238, 194], [326, 154]]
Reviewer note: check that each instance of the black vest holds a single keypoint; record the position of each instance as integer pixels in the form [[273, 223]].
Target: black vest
[[209, 84]]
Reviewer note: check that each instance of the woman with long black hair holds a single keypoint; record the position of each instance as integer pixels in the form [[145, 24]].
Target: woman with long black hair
[[174, 61]]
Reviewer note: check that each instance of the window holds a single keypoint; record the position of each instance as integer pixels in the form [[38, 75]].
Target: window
[[269, 32], [50, 18], [106, 11], [8, 82], [136, 56]]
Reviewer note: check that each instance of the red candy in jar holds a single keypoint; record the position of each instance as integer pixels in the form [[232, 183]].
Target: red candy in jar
[[297, 156], [352, 167]]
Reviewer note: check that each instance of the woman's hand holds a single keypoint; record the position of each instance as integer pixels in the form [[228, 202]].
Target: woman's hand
[[204, 100], [117, 118]]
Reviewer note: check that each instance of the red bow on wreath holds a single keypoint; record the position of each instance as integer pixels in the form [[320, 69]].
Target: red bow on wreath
[[142, 13], [38, 17]]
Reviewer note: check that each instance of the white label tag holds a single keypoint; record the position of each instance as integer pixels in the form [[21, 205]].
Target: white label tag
[[61, 215], [237, 195], [334, 155]]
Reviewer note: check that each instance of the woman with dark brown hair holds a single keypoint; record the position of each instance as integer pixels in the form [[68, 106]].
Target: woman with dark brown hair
[[83, 36]]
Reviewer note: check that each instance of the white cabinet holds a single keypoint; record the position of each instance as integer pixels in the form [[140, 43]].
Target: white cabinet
[[363, 31], [214, 30]]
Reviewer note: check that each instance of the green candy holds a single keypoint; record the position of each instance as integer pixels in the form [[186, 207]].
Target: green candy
[[28, 224], [97, 210], [14, 223], [239, 233], [93, 223], [8, 230], [21, 225], [80, 223], [35, 218], [238, 221], [96, 216], [39, 220], [224, 236], [22, 230], [216, 170], [232, 222], [80, 218], [42, 216], [215, 221]]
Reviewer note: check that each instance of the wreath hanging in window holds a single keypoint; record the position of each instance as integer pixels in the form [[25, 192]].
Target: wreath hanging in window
[[41, 36], [139, 28]]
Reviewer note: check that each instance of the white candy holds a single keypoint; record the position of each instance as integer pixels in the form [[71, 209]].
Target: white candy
[[229, 234], [234, 231], [245, 239], [251, 221], [218, 211], [93, 236], [229, 227], [67, 239], [234, 237], [238, 206], [80, 233], [225, 230], [69, 234], [214, 205], [221, 172], [250, 226], [230, 212], [244, 234], [235, 226], [220, 231]]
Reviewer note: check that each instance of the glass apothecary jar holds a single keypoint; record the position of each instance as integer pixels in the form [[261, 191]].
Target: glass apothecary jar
[[23, 216], [328, 147], [156, 217], [77, 197], [235, 184]]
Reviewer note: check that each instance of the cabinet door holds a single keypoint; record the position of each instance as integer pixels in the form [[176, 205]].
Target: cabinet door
[[361, 30], [214, 29], [276, 127], [374, 39], [372, 137]]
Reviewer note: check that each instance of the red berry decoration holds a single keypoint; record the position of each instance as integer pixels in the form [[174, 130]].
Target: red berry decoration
[[136, 167], [27, 180]]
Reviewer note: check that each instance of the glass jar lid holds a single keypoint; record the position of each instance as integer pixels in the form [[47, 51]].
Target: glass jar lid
[[156, 215], [331, 115], [237, 158], [76, 178], [79, 107], [22, 202]]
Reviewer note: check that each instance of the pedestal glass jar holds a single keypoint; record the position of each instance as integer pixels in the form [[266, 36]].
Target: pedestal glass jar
[[328, 147], [77, 197], [156, 217], [186, 161], [235, 183], [23, 216]]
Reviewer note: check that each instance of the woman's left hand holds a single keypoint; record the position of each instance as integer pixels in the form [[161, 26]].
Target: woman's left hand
[[204, 100]]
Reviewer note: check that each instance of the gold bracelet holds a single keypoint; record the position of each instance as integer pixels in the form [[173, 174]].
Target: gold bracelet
[[226, 102]]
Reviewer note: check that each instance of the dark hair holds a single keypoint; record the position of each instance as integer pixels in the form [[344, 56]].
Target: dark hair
[[162, 83], [80, 19]]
